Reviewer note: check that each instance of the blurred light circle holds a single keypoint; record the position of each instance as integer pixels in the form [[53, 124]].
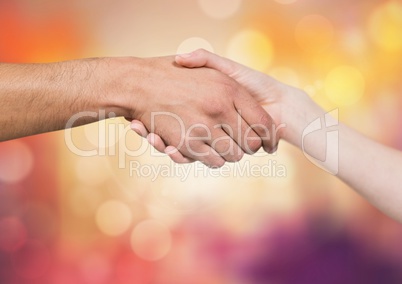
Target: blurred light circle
[[151, 240], [194, 43], [96, 268], [16, 161], [286, 2], [113, 217], [32, 260], [220, 9], [385, 26], [251, 48], [285, 75], [13, 234], [354, 41], [344, 85], [314, 33]]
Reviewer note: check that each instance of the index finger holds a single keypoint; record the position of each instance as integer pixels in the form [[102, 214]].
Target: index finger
[[258, 120]]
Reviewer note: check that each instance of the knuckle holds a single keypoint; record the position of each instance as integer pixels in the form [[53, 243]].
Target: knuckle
[[228, 87], [216, 163], [235, 158], [230, 159], [252, 145], [214, 107], [265, 119], [239, 156], [200, 51], [274, 149]]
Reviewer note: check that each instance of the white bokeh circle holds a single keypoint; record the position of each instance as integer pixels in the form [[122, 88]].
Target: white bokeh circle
[[220, 9]]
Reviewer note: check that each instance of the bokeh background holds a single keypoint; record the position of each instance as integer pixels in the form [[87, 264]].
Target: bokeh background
[[65, 218]]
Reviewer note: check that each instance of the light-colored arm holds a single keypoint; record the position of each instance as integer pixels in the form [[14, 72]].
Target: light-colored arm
[[372, 169]]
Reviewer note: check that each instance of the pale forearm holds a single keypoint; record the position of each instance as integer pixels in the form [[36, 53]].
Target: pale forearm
[[372, 169]]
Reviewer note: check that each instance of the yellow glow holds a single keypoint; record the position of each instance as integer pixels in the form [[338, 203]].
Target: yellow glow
[[151, 240], [344, 85], [220, 9], [194, 43], [286, 2], [93, 170], [104, 133], [314, 33], [251, 48], [385, 26], [113, 218]]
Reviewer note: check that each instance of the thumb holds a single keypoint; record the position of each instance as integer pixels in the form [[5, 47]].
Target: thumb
[[204, 58], [258, 84]]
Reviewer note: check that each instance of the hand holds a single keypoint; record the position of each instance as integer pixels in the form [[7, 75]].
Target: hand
[[207, 116], [275, 97]]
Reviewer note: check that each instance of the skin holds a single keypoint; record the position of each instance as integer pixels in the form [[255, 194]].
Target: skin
[[202, 103], [372, 169]]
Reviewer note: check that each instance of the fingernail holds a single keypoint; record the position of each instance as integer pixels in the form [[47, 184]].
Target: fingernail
[[170, 150], [151, 139], [185, 55], [135, 129]]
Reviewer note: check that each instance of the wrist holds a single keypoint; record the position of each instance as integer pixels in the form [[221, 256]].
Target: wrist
[[118, 84], [298, 111]]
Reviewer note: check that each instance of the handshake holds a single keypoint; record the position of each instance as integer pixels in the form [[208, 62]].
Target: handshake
[[194, 107], [202, 107], [229, 110], [197, 107]]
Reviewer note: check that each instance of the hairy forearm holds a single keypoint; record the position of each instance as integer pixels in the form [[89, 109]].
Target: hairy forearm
[[37, 98]]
